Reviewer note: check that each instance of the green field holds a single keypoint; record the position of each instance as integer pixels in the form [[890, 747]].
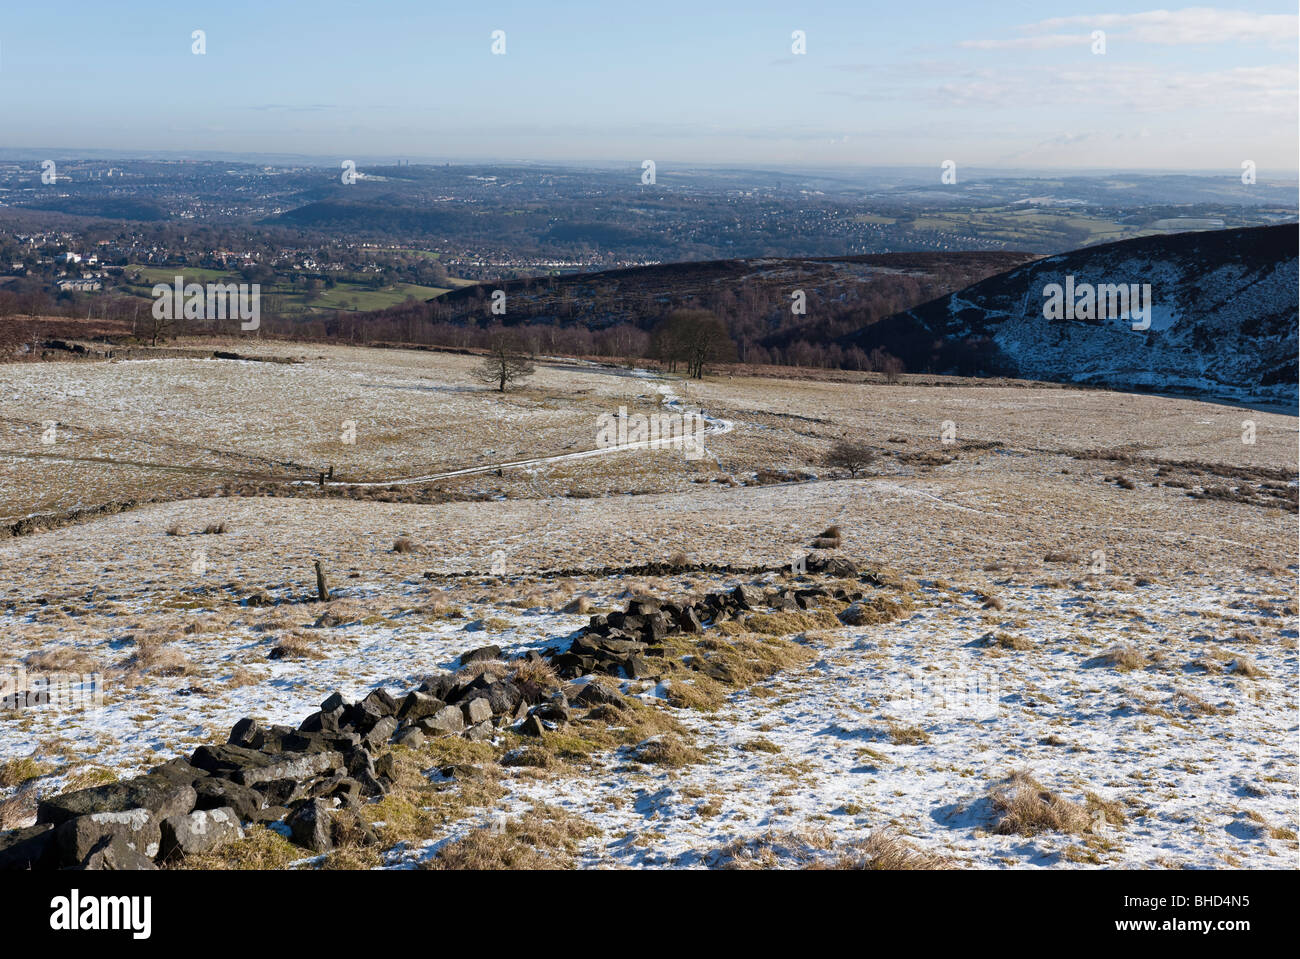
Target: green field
[[347, 295], [1023, 223]]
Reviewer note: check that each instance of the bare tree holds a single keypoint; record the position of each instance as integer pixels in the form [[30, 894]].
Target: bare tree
[[850, 455], [158, 327], [696, 337], [505, 364]]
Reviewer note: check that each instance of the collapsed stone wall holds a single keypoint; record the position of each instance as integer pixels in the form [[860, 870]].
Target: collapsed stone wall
[[339, 756]]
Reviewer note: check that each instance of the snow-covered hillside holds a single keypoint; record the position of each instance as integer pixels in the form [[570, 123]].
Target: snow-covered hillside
[[1222, 319]]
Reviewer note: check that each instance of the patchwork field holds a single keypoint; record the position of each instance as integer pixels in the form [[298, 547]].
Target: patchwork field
[[1069, 640]]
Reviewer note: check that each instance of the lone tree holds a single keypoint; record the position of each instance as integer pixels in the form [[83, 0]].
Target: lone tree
[[504, 364], [852, 456]]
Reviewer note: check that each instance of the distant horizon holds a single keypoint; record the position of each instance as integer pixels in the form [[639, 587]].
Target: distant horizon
[[665, 164]]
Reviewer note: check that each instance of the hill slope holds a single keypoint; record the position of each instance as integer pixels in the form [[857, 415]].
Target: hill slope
[[1223, 317]]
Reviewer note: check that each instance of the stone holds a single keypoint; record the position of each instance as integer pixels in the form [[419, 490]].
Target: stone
[[300, 742], [476, 710], [358, 761], [216, 793], [503, 696], [449, 719], [77, 838], [438, 686], [296, 766], [480, 732], [746, 597], [247, 733], [155, 795], [309, 825], [273, 738], [29, 848], [225, 760], [688, 621], [259, 597], [533, 726], [462, 771], [343, 788], [594, 694], [417, 705], [334, 702], [831, 565], [177, 770], [199, 832], [621, 646], [281, 792], [382, 700], [114, 854], [482, 654], [380, 733], [656, 628], [556, 710], [271, 814], [323, 721], [410, 737], [643, 607], [638, 667], [363, 716]]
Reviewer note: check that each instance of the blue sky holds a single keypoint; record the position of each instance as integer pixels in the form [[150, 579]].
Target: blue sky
[[1012, 84]]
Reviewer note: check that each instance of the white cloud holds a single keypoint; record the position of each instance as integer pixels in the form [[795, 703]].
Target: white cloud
[[1050, 41], [1189, 26]]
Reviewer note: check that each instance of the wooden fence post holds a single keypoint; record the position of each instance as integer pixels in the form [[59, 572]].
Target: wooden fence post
[[322, 588]]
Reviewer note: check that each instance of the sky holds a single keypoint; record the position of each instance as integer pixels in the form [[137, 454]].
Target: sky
[[1007, 83]]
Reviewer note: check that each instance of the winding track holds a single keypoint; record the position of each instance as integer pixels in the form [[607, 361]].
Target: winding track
[[714, 427]]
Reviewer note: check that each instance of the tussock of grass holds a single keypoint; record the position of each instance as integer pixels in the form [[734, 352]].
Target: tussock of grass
[[698, 692], [297, 644], [907, 735], [1027, 808], [875, 611], [153, 656], [772, 851], [1123, 658], [61, 659], [1061, 556], [1241, 666], [1111, 811], [666, 750], [1007, 641], [15, 772], [546, 837], [884, 850], [788, 623]]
